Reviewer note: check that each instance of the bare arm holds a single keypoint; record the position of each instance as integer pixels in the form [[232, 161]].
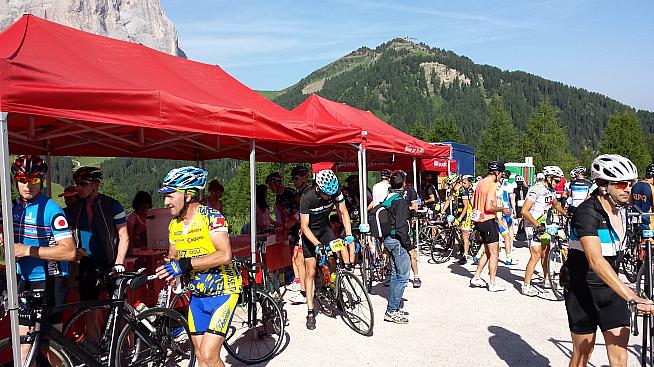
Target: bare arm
[[526, 214], [222, 255], [557, 206], [345, 218], [306, 231], [123, 243], [490, 205], [64, 250]]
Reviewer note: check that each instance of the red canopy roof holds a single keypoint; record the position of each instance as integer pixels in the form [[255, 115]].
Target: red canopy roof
[[381, 137], [74, 93]]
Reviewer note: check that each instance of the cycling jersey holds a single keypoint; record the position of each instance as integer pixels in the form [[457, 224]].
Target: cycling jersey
[[428, 191], [542, 198], [641, 194], [579, 189], [520, 193], [379, 192], [39, 222], [505, 191], [195, 241], [318, 209], [590, 219]]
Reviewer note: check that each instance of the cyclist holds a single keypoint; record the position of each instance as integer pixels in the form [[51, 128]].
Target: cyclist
[[484, 212], [465, 209], [506, 199], [594, 294], [43, 243], [300, 177], [540, 199], [285, 204], [520, 194], [200, 251], [380, 189], [411, 196], [642, 196], [579, 188], [315, 206], [431, 199]]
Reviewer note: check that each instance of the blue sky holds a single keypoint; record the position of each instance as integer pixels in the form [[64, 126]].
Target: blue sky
[[602, 46]]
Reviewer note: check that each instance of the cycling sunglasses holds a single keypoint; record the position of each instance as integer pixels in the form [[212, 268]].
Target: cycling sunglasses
[[29, 180], [622, 185], [82, 183]]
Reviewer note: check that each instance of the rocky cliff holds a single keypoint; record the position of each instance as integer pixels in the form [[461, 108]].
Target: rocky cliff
[[138, 21]]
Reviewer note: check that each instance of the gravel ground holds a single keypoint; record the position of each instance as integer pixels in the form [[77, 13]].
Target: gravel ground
[[450, 324]]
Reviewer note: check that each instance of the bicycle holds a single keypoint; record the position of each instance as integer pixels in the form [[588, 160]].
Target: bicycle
[[558, 254], [372, 263], [153, 337], [344, 293], [257, 329], [442, 247]]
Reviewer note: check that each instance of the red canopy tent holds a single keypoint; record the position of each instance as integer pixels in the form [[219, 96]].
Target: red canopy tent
[[74, 93]]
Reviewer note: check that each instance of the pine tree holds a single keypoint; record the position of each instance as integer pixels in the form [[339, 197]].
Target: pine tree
[[444, 130], [498, 139], [546, 140], [418, 131], [623, 135]]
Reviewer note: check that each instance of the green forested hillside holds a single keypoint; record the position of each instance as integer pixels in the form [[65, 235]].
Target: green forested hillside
[[391, 82]]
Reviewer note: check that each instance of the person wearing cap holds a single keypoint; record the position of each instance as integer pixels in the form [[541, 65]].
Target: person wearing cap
[[100, 226], [70, 196], [300, 179], [506, 199], [216, 191], [642, 193]]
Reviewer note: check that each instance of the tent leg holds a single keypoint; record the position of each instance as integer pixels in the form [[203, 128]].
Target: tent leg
[[364, 188], [253, 201], [361, 185], [49, 183], [8, 232], [415, 187]]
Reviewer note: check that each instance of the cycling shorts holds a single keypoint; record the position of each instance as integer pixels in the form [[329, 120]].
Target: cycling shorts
[[56, 291], [488, 231], [466, 224], [533, 239], [589, 307], [325, 237], [211, 314]]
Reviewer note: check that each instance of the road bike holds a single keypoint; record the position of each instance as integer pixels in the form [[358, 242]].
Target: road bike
[[558, 254], [338, 290]]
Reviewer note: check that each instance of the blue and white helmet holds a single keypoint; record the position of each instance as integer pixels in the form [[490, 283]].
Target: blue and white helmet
[[185, 178], [327, 182]]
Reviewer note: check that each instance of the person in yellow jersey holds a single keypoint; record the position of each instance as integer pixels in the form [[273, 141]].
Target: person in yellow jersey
[[200, 251]]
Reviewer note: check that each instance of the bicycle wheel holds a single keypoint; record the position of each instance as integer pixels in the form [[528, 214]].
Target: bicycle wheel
[[642, 282], [442, 247], [87, 326], [355, 303], [474, 243], [426, 239], [366, 267], [51, 354], [160, 337], [554, 265], [257, 328], [630, 265]]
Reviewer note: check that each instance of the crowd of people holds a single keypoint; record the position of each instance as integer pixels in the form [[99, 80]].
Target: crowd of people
[[94, 234]]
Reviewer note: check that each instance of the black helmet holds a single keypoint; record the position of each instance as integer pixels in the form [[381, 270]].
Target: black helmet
[[649, 170], [352, 179], [87, 174], [385, 174], [273, 177], [495, 166], [299, 171], [506, 174], [29, 166]]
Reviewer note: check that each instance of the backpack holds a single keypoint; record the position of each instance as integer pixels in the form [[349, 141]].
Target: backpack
[[380, 218]]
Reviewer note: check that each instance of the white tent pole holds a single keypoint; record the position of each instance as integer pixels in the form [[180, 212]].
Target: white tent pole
[[415, 187], [8, 232], [361, 187], [364, 189], [253, 201], [49, 183]]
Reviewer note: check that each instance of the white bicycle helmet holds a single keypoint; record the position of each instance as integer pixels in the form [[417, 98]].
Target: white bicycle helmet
[[468, 178], [327, 181], [519, 178], [553, 171], [578, 171], [613, 167]]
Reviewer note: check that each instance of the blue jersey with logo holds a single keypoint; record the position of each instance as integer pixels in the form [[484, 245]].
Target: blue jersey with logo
[[39, 222], [641, 194]]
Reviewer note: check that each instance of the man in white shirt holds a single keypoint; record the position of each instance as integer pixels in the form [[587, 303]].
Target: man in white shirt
[[380, 189]]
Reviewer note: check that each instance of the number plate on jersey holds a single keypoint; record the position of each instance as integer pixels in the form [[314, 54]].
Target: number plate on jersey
[[476, 214], [337, 245], [648, 233]]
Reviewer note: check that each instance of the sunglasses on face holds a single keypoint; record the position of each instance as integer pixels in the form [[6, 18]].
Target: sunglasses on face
[[81, 183], [622, 185], [29, 180], [557, 180]]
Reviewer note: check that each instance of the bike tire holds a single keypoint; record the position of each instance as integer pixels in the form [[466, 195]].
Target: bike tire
[[366, 267], [75, 329], [630, 265], [170, 339], [641, 282], [474, 243], [554, 265], [46, 346], [254, 325], [351, 295], [442, 247]]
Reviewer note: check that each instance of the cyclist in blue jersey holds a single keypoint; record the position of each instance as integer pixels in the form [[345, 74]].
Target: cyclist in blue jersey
[[43, 242], [642, 193], [579, 187]]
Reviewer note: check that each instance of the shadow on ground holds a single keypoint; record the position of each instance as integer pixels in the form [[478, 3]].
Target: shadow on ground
[[513, 350]]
